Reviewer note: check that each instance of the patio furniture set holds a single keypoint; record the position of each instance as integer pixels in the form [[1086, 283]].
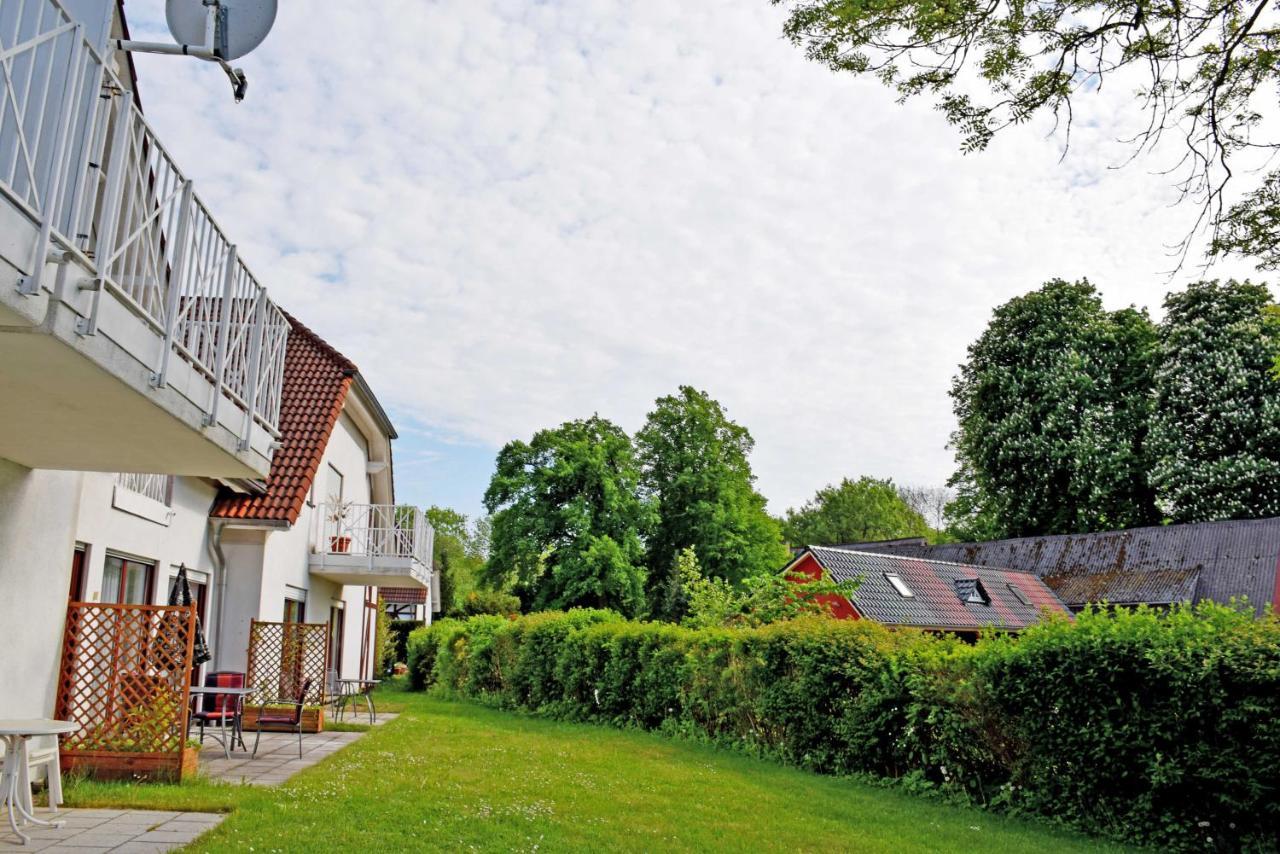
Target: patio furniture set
[[219, 713]]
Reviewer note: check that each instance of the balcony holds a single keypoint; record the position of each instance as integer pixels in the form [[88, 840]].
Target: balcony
[[132, 336], [372, 545]]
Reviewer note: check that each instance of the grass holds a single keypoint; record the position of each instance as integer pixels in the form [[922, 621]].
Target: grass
[[452, 776]]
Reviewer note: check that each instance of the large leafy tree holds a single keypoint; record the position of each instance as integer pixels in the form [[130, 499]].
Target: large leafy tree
[[1053, 407], [695, 464], [1215, 435], [854, 511], [459, 552], [568, 519], [1204, 73]]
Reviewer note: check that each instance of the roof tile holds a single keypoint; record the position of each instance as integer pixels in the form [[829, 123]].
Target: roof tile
[[316, 381]]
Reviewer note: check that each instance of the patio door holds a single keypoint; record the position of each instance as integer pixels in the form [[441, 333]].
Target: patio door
[[76, 592], [336, 628]]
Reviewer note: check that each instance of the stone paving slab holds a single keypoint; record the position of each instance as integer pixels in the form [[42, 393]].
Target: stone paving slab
[[277, 758], [94, 831]]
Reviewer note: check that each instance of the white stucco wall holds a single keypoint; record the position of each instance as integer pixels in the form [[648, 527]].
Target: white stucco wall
[[104, 528], [37, 539]]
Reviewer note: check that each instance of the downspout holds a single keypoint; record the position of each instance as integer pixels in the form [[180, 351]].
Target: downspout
[[214, 542]]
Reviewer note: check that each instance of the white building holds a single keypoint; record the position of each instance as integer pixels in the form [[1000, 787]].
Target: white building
[[134, 339]]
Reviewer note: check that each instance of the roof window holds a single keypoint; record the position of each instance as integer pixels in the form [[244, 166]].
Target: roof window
[[899, 585], [1019, 594], [971, 591]]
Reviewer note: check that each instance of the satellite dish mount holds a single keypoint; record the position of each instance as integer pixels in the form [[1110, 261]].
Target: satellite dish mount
[[215, 30]]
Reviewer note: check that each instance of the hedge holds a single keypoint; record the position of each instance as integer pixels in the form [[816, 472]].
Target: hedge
[[1157, 728]]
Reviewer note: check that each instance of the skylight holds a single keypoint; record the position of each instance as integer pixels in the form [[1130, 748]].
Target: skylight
[[899, 585], [1019, 594]]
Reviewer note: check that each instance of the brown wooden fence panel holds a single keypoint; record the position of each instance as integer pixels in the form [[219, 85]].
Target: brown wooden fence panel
[[124, 680], [282, 656]]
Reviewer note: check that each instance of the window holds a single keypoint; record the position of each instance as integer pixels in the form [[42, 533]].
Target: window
[[1019, 594], [899, 585], [333, 485], [76, 591], [126, 581], [294, 611], [971, 591]]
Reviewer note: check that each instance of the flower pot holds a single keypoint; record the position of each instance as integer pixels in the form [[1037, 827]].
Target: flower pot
[[339, 545]]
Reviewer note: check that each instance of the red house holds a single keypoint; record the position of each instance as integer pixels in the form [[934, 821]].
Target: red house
[[929, 594]]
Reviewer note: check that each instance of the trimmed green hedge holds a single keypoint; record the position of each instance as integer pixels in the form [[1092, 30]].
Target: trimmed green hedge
[[1155, 728]]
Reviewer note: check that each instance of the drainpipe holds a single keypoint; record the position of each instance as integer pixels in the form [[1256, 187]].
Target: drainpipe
[[220, 567]]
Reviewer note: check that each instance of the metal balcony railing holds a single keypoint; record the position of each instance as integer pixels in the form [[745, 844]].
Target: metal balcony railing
[[78, 157], [375, 531], [153, 486]]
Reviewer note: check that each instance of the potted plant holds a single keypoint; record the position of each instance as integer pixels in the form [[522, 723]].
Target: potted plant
[[338, 512]]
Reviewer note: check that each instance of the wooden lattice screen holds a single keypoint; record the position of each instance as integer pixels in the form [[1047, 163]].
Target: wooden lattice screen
[[124, 679], [282, 656]]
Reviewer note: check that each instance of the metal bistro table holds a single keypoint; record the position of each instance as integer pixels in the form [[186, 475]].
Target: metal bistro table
[[220, 733], [358, 688], [16, 734]]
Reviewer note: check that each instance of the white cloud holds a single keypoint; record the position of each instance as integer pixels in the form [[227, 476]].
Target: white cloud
[[511, 214]]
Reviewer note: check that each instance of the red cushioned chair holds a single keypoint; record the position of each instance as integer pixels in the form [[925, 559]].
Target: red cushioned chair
[[221, 711], [283, 717]]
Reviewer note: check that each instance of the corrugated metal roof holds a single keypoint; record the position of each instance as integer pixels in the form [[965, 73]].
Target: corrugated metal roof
[[1217, 561], [1016, 599]]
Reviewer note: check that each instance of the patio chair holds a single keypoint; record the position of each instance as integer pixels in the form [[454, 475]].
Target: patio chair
[[336, 694], [37, 757], [214, 710], [291, 717]]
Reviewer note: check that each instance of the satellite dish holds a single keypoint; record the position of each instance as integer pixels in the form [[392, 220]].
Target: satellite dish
[[241, 24]]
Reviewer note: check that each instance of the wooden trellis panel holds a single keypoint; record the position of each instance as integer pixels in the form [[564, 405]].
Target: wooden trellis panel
[[123, 678], [282, 656]]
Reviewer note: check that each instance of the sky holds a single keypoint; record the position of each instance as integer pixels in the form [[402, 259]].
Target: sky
[[512, 214]]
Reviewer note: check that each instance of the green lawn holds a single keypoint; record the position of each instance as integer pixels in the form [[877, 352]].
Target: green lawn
[[454, 776]]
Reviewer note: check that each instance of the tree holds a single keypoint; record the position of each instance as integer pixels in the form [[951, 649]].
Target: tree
[[1204, 70], [1215, 434], [767, 597], [568, 519], [930, 502], [855, 511], [459, 554], [694, 462], [1053, 407]]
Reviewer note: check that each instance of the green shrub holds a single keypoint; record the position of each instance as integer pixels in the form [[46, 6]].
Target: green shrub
[[480, 602], [400, 630], [1153, 728]]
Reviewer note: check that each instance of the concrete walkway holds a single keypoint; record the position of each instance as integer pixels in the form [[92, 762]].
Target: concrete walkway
[[277, 758], [94, 831]]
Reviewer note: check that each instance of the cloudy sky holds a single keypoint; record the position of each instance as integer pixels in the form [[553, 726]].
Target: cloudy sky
[[511, 214]]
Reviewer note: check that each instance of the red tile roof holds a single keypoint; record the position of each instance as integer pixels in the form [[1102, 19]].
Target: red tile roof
[[1006, 598], [403, 595], [316, 381]]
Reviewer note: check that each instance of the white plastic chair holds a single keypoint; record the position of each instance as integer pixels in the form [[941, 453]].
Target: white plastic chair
[[48, 757]]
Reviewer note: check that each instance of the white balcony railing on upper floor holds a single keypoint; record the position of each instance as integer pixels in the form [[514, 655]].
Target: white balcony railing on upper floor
[[154, 486], [375, 531], [78, 157]]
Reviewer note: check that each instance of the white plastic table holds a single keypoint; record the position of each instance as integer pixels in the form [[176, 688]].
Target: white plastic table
[[16, 734], [220, 734]]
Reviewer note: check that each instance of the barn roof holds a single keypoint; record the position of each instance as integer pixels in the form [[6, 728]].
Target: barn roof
[[1158, 565], [950, 596]]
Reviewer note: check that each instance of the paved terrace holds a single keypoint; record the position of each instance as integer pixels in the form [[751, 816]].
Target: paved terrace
[[91, 831]]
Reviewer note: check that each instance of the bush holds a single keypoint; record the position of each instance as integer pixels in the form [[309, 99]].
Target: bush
[[400, 630], [1148, 727], [480, 602]]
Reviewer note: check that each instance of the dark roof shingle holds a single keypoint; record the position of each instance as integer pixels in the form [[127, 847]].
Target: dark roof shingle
[[1158, 565], [1016, 599]]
